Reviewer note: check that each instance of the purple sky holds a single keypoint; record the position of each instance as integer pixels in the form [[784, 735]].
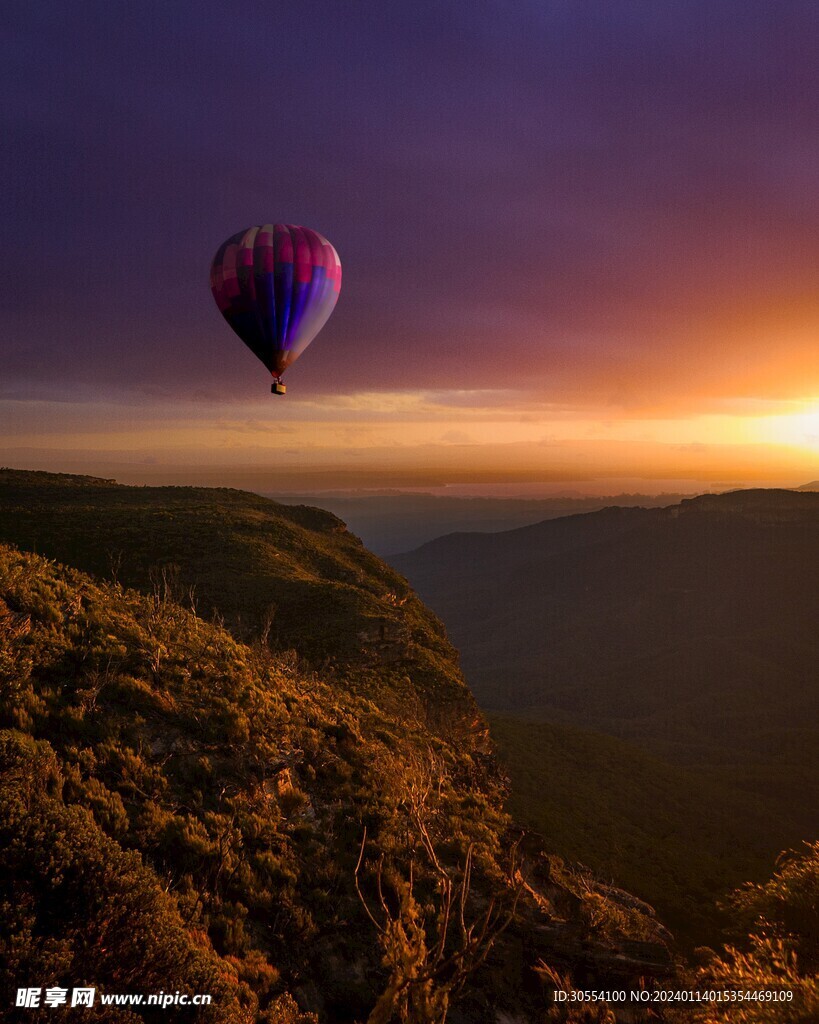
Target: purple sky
[[579, 238], [558, 188]]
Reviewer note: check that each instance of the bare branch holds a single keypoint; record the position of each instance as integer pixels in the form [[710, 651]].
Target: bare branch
[[379, 927], [430, 960]]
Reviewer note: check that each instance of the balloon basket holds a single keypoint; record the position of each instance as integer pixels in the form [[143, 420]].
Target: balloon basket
[[277, 388]]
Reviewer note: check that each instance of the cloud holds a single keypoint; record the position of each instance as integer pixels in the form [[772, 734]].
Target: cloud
[[456, 437]]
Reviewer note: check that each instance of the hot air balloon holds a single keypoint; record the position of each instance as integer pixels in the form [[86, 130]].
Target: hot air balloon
[[276, 285]]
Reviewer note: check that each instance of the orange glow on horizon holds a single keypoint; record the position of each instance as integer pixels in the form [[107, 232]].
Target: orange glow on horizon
[[479, 436]]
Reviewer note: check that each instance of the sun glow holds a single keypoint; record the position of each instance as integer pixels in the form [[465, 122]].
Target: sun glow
[[800, 428]]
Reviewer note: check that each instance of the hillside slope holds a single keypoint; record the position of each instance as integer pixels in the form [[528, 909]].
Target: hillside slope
[[675, 835], [155, 765], [691, 633], [291, 573], [692, 629]]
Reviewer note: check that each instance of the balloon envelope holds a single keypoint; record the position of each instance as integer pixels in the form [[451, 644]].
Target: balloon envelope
[[276, 285]]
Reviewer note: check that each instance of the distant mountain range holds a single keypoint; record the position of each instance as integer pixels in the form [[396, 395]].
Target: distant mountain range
[[395, 522], [391, 523], [691, 633], [678, 626]]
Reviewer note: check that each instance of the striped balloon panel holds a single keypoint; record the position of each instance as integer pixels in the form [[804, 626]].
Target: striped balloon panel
[[276, 285]]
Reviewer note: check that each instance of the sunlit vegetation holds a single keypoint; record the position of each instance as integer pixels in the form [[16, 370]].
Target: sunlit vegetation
[[219, 783], [240, 785], [779, 950]]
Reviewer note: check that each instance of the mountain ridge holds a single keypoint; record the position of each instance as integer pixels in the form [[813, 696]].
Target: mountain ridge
[[293, 572]]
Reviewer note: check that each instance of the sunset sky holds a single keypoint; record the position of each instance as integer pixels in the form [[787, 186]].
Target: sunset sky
[[580, 240]]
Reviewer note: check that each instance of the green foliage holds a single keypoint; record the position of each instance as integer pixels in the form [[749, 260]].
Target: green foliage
[[787, 905], [291, 574], [781, 950], [77, 909], [210, 777]]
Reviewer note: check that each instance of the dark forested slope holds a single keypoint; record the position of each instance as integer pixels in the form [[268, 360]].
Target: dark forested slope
[[691, 628], [690, 633]]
